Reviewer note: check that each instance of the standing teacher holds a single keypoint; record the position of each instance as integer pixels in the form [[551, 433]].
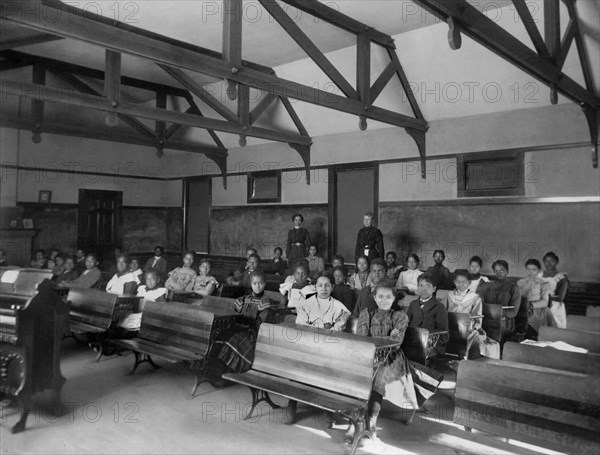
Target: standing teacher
[[369, 241], [298, 241]]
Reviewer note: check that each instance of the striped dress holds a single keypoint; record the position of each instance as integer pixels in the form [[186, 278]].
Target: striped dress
[[236, 347]]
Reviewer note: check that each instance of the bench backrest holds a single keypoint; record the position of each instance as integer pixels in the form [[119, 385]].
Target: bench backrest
[[552, 358], [92, 306], [414, 345], [492, 320], [459, 325], [585, 323], [178, 325], [548, 407], [316, 357], [587, 340]]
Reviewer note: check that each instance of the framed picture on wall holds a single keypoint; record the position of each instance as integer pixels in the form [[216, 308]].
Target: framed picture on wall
[[264, 187], [27, 223], [45, 197]]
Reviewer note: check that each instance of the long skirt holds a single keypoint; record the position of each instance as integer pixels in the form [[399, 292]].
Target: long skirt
[[235, 349], [540, 317], [405, 383]]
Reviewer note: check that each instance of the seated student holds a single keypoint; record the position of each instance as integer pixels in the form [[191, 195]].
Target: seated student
[[383, 321], [123, 281], [321, 310], [360, 278], [537, 291], [365, 297], [438, 272], [59, 266], [39, 260], [129, 325], [157, 263], [464, 300], [252, 264], [393, 269], [296, 288], [234, 350], [90, 276], [80, 261], [429, 313], [316, 264], [502, 292], [134, 267], [559, 285], [278, 265], [476, 278], [204, 283], [68, 273], [249, 252], [182, 278], [341, 291], [408, 279], [337, 261]]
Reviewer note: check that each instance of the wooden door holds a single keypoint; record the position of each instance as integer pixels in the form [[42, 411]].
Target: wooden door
[[353, 191], [99, 221], [197, 214]]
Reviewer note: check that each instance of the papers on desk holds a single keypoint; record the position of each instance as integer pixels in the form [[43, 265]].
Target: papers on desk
[[561, 345]]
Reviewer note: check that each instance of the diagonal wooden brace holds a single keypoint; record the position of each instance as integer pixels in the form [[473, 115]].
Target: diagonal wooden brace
[[419, 137], [304, 152]]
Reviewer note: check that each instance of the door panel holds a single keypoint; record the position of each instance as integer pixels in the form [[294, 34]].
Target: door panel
[[99, 222]]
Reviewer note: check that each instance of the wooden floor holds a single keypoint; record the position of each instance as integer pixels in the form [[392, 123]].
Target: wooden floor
[[152, 412]]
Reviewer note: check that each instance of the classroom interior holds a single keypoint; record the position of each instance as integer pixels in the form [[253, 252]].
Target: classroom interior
[[460, 127]]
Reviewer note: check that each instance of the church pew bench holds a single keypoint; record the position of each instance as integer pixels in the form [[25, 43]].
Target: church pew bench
[[587, 340], [321, 368], [551, 408], [94, 312], [584, 323], [552, 358], [178, 332]]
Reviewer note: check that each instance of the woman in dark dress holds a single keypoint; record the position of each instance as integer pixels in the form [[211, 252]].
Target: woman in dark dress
[[298, 241]]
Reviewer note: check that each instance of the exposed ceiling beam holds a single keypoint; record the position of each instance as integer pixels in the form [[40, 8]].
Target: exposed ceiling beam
[[552, 27], [532, 30], [261, 107], [565, 44], [382, 81], [486, 32], [296, 33], [23, 59], [97, 30], [334, 17], [581, 49], [194, 109], [232, 39], [78, 84], [58, 95], [197, 89], [10, 64], [110, 135], [38, 38]]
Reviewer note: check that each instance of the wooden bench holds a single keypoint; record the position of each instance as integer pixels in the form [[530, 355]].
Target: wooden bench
[[96, 312], [552, 358], [586, 340], [584, 323], [177, 332], [315, 367], [552, 408]]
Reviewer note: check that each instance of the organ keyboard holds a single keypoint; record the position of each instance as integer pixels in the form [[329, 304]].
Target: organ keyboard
[[31, 320]]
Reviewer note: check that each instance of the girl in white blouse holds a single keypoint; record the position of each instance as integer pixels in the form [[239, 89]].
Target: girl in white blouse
[[407, 281]]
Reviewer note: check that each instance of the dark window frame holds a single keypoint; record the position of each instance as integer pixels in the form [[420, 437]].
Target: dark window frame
[[252, 176], [463, 161]]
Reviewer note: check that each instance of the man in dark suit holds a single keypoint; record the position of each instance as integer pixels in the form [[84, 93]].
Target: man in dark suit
[[157, 263], [369, 241]]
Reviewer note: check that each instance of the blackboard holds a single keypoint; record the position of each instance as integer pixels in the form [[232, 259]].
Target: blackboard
[[513, 232], [232, 229], [144, 228]]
